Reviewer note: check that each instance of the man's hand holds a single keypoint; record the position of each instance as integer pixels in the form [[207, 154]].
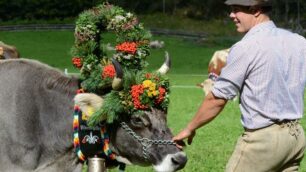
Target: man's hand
[[186, 133]]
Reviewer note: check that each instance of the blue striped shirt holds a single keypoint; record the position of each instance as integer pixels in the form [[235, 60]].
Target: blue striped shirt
[[268, 68]]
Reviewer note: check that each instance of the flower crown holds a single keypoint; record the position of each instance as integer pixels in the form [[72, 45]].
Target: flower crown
[[139, 89]]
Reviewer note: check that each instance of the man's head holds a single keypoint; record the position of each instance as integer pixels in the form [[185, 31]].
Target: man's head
[[248, 13]]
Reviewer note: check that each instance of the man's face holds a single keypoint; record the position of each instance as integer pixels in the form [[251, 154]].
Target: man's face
[[243, 18]]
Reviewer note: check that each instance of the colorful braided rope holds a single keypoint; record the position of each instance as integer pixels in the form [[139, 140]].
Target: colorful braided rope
[[107, 151], [76, 141]]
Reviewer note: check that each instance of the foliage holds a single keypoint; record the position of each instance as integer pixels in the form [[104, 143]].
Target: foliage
[[129, 100], [56, 10], [199, 9], [42, 9], [140, 92], [89, 54]]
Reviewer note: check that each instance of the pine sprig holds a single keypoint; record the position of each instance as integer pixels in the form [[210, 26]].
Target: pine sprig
[[110, 110]]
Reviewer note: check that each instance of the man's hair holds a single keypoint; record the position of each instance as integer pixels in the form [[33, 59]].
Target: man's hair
[[264, 9]]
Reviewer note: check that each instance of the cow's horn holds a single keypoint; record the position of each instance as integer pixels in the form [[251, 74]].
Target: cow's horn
[[166, 65], [117, 82]]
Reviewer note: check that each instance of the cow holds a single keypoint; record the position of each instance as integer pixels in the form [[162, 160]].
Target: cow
[[156, 44], [217, 62], [8, 51], [36, 106]]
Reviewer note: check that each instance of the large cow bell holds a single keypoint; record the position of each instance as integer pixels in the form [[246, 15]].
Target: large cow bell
[[96, 164]]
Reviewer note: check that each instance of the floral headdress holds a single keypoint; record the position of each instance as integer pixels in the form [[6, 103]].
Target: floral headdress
[[140, 90]]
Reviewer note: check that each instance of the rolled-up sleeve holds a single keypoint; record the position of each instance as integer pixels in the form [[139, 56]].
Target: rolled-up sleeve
[[232, 76], [225, 89]]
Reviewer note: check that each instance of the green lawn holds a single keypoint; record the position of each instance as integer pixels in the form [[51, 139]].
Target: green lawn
[[53, 47], [214, 143]]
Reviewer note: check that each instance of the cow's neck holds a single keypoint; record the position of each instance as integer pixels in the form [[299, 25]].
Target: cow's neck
[[56, 116]]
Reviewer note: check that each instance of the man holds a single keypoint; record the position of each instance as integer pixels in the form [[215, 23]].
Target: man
[[268, 68]]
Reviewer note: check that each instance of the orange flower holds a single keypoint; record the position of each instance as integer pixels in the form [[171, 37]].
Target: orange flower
[[77, 62], [136, 91], [161, 96], [148, 75], [80, 91], [108, 72], [129, 47]]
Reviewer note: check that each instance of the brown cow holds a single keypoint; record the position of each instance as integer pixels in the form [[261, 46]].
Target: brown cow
[[8, 51], [216, 63]]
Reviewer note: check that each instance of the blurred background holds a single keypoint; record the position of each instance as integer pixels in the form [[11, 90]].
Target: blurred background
[[190, 15]]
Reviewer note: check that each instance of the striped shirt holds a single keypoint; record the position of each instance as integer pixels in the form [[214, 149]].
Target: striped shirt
[[268, 68]]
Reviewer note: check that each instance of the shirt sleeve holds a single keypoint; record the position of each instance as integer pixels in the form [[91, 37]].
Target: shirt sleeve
[[232, 76]]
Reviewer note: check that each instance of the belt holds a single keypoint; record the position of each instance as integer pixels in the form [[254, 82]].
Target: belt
[[286, 121], [283, 123]]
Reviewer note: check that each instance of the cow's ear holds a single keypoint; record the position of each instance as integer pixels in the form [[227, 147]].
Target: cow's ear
[[88, 101]]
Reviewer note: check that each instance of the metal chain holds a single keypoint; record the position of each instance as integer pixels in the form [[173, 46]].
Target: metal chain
[[145, 142]]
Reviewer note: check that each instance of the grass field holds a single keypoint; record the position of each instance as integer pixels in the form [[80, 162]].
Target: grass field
[[214, 143]]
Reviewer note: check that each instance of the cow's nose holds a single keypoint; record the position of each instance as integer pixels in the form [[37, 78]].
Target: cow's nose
[[179, 160]]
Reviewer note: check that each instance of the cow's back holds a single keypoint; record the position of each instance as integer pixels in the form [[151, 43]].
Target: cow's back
[[32, 127]]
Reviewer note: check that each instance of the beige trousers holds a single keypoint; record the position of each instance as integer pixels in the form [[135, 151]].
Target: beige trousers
[[277, 148]]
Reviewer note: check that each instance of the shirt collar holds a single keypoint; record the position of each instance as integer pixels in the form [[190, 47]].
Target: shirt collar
[[259, 27]]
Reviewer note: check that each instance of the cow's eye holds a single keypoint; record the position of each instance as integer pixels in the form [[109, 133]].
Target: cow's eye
[[139, 121]]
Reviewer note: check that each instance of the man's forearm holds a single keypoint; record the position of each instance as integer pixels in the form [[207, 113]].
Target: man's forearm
[[209, 109]]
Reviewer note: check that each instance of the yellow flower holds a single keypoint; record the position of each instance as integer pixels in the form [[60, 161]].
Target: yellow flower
[[88, 112], [155, 93], [150, 94], [146, 83], [152, 87]]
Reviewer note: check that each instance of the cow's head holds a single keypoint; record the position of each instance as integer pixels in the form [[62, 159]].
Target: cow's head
[[143, 137], [8, 51]]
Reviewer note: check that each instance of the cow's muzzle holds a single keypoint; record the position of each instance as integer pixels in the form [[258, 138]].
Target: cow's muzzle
[[172, 162]]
